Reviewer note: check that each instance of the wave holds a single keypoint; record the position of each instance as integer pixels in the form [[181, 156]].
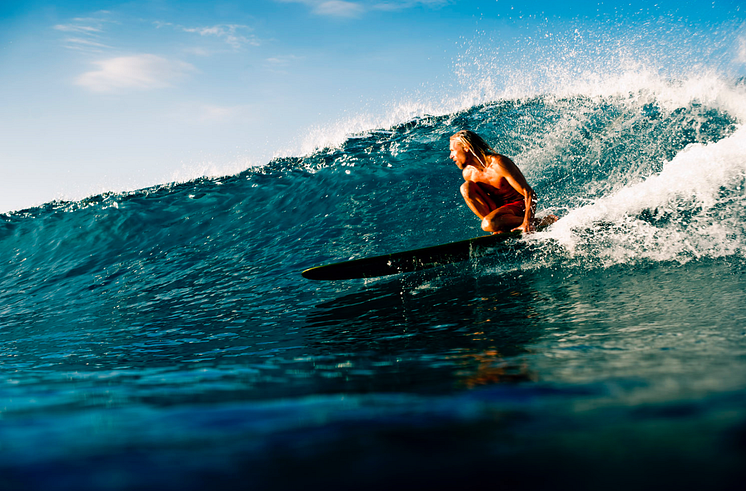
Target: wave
[[645, 175], [691, 209]]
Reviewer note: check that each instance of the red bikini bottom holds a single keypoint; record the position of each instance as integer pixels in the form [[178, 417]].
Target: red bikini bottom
[[518, 207]]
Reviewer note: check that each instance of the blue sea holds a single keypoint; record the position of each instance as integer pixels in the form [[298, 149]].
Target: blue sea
[[164, 339]]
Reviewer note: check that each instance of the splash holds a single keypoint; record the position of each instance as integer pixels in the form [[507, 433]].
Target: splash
[[693, 208], [662, 61]]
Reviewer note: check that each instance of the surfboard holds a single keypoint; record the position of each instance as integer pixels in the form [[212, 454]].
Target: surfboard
[[407, 261]]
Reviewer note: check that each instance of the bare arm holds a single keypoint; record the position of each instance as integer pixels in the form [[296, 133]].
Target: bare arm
[[515, 178]]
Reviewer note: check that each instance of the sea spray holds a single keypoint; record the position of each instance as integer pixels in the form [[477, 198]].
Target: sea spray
[[166, 335]]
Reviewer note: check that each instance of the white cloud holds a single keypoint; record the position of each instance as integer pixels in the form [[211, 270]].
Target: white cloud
[[395, 6], [102, 14], [282, 60], [87, 31], [338, 8], [279, 64], [85, 44], [227, 32], [197, 51], [77, 28], [332, 8], [92, 26], [139, 72], [342, 8]]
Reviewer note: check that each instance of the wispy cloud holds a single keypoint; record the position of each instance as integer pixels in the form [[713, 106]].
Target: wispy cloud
[[88, 32], [235, 35], [338, 8], [228, 32], [397, 5], [282, 60], [279, 64], [332, 8], [85, 45], [347, 9], [78, 28], [197, 51], [138, 72]]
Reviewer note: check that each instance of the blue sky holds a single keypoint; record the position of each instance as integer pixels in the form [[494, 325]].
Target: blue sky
[[110, 95]]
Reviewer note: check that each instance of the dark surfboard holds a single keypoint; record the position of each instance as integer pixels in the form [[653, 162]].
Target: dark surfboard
[[408, 261]]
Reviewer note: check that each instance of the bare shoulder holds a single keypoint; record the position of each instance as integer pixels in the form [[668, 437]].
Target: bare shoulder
[[501, 164], [469, 173]]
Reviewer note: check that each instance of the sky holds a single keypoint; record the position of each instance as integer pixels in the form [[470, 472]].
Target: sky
[[99, 96]]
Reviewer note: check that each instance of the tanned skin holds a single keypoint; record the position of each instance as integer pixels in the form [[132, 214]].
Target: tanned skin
[[495, 173]]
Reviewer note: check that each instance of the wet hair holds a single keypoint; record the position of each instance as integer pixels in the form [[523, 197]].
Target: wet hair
[[475, 143]]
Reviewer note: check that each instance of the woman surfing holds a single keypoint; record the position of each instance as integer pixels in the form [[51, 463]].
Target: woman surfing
[[494, 188]]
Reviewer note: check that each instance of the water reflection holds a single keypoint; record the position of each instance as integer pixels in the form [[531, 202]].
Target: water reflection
[[433, 333], [490, 367]]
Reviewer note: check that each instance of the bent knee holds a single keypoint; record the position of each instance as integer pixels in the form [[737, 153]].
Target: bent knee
[[488, 226], [467, 189]]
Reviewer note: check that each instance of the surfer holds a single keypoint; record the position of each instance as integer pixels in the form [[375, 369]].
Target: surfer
[[494, 187]]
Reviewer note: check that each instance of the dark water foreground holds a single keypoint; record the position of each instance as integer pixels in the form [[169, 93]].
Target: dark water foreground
[[164, 339], [537, 380]]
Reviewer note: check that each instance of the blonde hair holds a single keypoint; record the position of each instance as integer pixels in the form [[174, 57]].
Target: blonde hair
[[471, 141]]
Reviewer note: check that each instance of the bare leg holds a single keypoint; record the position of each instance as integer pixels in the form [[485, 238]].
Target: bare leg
[[501, 220], [494, 219], [477, 200]]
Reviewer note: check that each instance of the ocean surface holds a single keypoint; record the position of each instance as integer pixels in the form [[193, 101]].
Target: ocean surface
[[164, 338]]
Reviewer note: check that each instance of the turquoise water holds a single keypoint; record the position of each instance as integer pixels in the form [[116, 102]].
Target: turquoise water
[[164, 338]]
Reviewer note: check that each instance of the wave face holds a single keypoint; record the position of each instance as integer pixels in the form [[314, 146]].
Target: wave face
[[142, 330]]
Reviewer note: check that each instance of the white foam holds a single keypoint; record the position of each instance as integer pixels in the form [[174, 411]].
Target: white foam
[[210, 168], [334, 134], [641, 63], [704, 222]]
